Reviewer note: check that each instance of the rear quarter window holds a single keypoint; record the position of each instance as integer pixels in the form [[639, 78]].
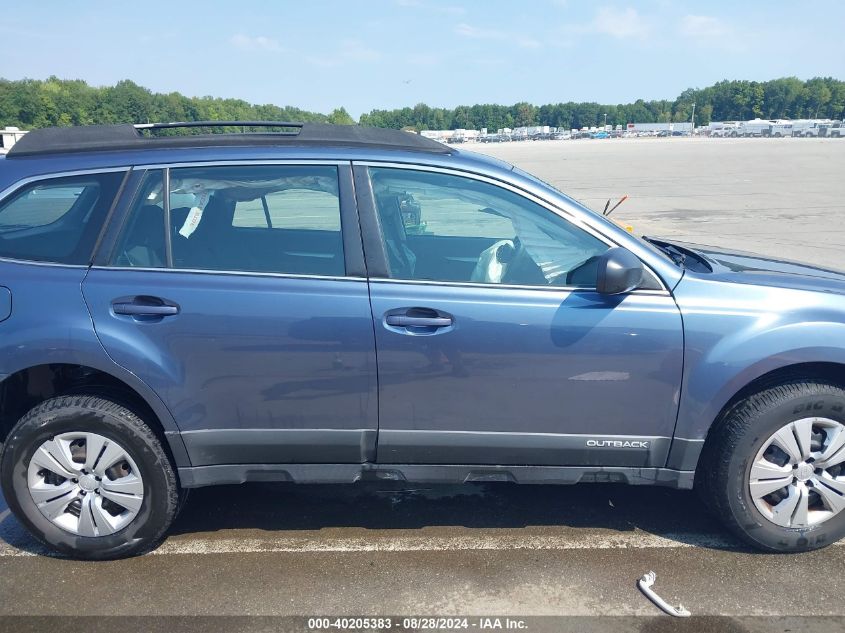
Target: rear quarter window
[[57, 219]]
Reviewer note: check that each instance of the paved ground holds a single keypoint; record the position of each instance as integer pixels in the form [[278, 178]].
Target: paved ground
[[781, 197], [374, 549], [496, 549]]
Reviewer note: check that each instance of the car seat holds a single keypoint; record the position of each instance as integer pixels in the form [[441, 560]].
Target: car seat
[[144, 246]]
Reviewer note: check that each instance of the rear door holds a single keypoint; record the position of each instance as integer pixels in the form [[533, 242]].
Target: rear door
[[238, 293], [494, 346]]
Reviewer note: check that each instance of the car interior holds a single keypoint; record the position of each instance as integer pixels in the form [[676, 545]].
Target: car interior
[[511, 247], [53, 222], [415, 253], [217, 244]]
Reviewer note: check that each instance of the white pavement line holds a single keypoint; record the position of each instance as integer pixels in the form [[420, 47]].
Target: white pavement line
[[630, 540]]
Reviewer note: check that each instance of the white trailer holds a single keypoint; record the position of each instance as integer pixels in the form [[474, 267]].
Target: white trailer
[[836, 129], [9, 136], [681, 126], [805, 128], [721, 129], [781, 129], [755, 127]]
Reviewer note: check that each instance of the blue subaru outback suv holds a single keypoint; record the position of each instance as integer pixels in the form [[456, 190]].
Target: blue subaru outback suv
[[315, 303]]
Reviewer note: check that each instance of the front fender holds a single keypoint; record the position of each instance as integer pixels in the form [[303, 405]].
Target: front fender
[[736, 333]]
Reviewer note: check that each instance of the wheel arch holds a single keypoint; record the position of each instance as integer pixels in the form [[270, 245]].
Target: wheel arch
[[25, 388], [685, 457]]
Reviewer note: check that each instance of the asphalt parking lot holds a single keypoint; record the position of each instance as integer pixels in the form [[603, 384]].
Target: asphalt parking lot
[[373, 549], [780, 197]]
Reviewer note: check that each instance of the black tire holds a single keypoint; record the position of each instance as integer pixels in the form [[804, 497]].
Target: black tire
[[724, 468], [112, 420]]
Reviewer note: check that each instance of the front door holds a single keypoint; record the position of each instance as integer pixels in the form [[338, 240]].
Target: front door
[[248, 314], [493, 345]]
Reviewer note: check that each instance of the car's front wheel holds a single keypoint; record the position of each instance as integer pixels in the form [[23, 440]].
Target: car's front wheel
[[774, 467], [89, 478]]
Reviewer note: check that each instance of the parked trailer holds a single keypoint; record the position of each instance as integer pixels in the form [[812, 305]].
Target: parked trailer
[[755, 127], [679, 126], [8, 137], [812, 131], [805, 128], [827, 128], [837, 129], [721, 129], [778, 130]]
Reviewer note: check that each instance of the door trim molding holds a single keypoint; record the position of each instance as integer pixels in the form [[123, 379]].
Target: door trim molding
[[415, 446], [431, 474], [491, 286], [279, 446]]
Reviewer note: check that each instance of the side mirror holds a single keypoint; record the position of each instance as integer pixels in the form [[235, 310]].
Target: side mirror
[[619, 271]]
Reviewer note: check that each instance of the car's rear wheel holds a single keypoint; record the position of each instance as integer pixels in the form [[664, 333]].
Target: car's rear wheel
[[89, 478], [773, 468]]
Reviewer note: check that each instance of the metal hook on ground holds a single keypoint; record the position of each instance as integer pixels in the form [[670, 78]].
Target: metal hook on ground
[[645, 583]]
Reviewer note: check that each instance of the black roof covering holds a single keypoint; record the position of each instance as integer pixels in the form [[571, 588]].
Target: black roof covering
[[91, 138]]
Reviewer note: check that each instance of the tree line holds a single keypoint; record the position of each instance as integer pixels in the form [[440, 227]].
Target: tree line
[[786, 98], [31, 103]]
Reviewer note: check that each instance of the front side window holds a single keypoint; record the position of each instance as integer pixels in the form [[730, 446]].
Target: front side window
[[449, 228], [57, 220], [261, 218]]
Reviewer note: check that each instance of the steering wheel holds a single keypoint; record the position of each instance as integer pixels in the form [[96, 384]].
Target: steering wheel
[[493, 262], [522, 269]]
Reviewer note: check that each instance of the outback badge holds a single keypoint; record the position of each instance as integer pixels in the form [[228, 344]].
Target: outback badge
[[617, 443]]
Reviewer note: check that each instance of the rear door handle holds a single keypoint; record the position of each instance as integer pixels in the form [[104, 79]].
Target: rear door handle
[[401, 320], [140, 309]]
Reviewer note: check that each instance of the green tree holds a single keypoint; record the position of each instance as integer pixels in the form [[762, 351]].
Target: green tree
[[339, 116], [819, 95], [32, 103]]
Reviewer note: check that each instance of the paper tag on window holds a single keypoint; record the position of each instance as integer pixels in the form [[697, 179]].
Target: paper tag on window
[[194, 215]]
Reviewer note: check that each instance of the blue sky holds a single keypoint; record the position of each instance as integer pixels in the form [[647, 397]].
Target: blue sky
[[320, 54]]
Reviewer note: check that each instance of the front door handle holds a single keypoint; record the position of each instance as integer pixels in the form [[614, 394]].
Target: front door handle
[[402, 320], [133, 308]]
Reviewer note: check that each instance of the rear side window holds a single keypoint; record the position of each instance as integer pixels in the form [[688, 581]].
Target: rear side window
[[307, 209], [257, 218], [142, 244], [57, 220], [282, 219]]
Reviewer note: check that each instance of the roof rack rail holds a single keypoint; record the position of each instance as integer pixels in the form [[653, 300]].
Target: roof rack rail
[[187, 124], [103, 138]]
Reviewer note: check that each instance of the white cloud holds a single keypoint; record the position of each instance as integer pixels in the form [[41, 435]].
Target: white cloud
[[420, 4], [620, 24], [703, 27], [425, 59], [474, 32], [478, 33], [256, 43], [528, 42], [348, 51], [358, 51]]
